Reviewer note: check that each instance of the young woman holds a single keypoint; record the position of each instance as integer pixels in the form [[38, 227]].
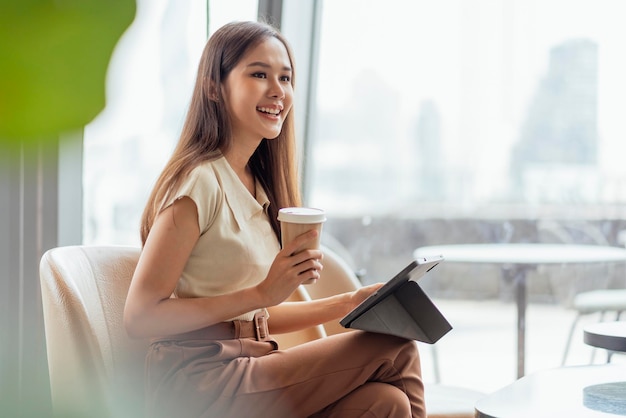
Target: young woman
[[211, 282]]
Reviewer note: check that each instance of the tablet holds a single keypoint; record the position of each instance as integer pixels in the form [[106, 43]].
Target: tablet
[[400, 307]]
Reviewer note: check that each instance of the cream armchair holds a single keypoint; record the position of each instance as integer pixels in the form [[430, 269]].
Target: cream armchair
[[96, 370]]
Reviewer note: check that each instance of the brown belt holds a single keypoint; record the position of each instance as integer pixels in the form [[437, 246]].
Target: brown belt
[[256, 329]]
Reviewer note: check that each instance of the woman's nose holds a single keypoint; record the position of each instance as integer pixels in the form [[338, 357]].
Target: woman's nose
[[277, 90]]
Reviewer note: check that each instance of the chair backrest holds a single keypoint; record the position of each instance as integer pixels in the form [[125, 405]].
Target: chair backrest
[[336, 277], [95, 369]]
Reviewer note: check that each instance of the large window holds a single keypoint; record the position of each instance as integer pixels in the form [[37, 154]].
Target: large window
[[465, 121], [470, 116], [149, 84], [470, 108]]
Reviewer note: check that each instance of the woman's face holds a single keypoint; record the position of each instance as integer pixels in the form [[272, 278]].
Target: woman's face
[[258, 92]]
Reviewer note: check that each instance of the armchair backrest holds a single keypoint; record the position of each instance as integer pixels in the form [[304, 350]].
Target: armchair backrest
[[95, 368], [336, 277]]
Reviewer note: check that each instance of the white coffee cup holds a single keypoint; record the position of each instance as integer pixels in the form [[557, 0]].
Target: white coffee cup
[[296, 221]]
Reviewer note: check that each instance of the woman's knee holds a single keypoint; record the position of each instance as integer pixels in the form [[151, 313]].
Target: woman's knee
[[391, 401], [373, 400]]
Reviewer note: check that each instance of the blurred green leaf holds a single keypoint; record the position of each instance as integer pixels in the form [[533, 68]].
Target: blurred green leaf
[[54, 56]]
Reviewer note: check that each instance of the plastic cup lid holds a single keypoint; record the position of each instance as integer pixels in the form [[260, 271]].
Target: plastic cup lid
[[302, 215]]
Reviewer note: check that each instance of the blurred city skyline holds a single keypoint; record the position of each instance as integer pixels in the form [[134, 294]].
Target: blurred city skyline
[[479, 67]]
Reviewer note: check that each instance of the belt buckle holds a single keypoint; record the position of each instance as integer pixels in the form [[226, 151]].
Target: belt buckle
[[260, 326]]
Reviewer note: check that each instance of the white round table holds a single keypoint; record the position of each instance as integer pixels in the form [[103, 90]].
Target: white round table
[[561, 392], [521, 258]]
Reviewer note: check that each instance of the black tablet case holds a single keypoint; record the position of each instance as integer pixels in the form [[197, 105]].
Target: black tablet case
[[406, 312]]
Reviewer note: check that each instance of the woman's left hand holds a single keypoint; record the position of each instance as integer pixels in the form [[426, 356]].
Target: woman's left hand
[[363, 293]]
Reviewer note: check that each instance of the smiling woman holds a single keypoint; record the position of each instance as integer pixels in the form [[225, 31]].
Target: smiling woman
[[213, 285]]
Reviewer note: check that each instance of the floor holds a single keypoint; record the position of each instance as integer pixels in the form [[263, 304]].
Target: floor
[[480, 351]]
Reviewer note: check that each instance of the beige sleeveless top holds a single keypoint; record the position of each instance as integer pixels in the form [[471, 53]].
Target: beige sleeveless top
[[237, 244]]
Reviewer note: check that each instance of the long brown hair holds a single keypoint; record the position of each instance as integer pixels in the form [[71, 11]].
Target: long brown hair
[[207, 130]]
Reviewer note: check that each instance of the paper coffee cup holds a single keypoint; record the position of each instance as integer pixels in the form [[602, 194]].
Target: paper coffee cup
[[296, 221]]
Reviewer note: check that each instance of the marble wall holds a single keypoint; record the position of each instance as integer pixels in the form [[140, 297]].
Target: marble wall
[[379, 247]]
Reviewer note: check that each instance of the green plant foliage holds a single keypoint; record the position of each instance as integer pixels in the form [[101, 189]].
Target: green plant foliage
[[54, 56]]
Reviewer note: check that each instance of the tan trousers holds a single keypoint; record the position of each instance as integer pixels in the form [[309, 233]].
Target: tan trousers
[[355, 374]]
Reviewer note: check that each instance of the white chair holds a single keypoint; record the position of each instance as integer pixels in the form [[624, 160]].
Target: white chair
[[588, 302], [595, 302], [97, 371]]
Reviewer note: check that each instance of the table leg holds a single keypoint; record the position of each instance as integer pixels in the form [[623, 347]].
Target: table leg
[[517, 274], [521, 300]]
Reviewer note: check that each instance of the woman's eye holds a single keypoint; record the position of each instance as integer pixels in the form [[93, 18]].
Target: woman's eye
[[259, 75], [285, 78]]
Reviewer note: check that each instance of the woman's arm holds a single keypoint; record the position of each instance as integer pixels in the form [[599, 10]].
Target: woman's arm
[[294, 316], [149, 310]]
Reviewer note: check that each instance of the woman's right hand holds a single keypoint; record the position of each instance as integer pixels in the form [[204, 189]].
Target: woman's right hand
[[290, 270]]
